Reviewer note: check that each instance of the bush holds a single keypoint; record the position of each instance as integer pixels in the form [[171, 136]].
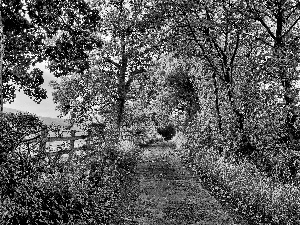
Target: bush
[[41, 206], [253, 194], [30, 194], [14, 127]]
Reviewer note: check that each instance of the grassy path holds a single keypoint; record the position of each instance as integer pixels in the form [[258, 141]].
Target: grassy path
[[167, 194]]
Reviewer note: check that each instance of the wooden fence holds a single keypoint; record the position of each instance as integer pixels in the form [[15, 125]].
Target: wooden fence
[[44, 138]]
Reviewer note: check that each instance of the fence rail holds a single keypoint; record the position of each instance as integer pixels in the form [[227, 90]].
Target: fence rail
[[43, 138], [53, 139]]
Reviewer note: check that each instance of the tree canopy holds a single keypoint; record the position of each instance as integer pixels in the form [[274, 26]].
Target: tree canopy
[[234, 62], [28, 30], [225, 73]]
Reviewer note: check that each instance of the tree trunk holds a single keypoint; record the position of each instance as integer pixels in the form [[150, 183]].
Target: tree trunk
[[216, 92], [122, 92], [286, 80], [228, 82], [227, 69], [1, 62]]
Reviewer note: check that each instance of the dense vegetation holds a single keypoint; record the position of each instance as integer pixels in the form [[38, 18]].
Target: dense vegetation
[[223, 73], [36, 189]]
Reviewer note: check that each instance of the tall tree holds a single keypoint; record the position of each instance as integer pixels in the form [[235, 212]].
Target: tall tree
[[126, 53], [278, 22], [1, 60], [211, 31]]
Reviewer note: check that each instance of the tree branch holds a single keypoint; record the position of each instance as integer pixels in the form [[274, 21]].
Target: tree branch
[[109, 60], [220, 51], [235, 50], [293, 9], [266, 27], [291, 27], [200, 45], [259, 19]]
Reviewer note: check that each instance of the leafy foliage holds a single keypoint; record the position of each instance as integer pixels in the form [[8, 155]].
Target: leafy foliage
[[224, 72], [14, 128], [29, 27], [118, 67], [87, 191]]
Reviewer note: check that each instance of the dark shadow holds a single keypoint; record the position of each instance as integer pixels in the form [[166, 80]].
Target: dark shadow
[[159, 168]]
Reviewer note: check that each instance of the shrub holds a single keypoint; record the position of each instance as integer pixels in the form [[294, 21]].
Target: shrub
[[14, 127], [30, 194], [259, 197]]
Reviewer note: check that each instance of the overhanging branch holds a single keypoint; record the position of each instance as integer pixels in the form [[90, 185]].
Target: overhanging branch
[[109, 60]]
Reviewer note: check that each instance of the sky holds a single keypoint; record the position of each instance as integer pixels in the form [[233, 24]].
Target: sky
[[46, 108]]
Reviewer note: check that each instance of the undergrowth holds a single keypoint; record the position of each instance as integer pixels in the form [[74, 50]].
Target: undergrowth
[[254, 195], [87, 190]]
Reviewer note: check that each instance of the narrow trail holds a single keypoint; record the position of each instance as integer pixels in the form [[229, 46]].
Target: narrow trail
[[167, 194]]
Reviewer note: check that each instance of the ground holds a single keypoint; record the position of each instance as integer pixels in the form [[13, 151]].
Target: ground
[[166, 194]]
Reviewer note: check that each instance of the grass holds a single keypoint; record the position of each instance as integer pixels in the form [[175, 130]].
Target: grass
[[251, 192]]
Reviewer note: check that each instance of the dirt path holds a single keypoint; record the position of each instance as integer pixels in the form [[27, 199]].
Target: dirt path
[[168, 195]]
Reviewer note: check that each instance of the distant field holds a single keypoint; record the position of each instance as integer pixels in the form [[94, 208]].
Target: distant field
[[54, 145], [77, 143]]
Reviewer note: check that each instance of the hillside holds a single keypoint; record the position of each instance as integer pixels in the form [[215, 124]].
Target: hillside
[[46, 120]]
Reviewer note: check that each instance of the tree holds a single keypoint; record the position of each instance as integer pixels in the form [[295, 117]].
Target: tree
[[18, 52], [278, 22], [248, 49], [85, 98], [1, 60], [212, 32], [27, 28], [125, 56]]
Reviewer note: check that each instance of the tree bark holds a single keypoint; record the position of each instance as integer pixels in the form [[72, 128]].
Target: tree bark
[[286, 81], [1, 61], [121, 82], [216, 92]]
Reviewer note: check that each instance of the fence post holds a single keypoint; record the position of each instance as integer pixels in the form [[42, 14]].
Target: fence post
[[72, 146], [43, 141], [89, 138], [72, 142]]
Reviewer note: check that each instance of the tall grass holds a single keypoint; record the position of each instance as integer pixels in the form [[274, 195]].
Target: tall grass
[[255, 195]]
